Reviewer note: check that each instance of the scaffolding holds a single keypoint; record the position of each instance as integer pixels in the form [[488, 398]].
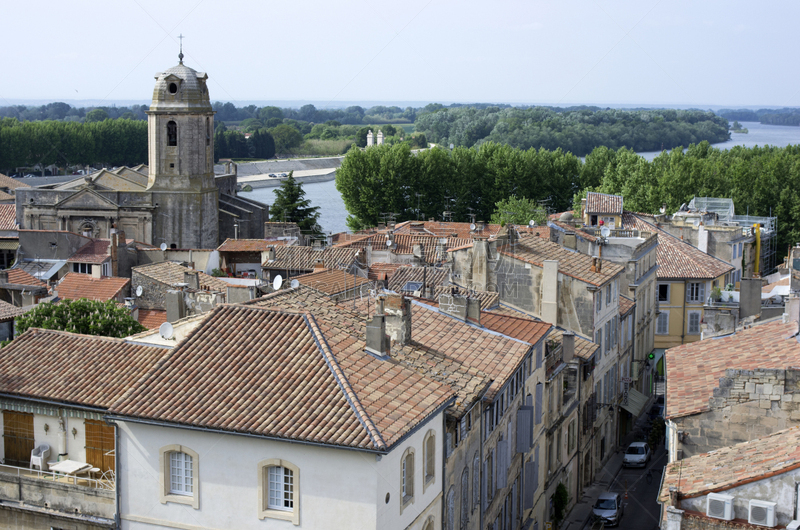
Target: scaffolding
[[725, 214]]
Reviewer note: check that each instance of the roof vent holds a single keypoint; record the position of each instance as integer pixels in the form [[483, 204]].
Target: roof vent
[[719, 506], [761, 513]]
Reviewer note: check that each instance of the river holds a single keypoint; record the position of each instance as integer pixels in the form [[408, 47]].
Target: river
[[333, 213]]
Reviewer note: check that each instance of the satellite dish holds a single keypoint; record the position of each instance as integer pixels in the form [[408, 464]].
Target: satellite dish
[[295, 284], [605, 232], [277, 282], [388, 242], [531, 223], [166, 330], [472, 226], [139, 291], [163, 246]]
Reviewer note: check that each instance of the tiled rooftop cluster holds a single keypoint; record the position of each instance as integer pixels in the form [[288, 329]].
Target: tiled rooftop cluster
[[170, 273], [603, 203], [75, 286], [306, 258], [332, 282]]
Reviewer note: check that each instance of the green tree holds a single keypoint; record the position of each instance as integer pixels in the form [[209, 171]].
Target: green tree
[[96, 115], [263, 144], [518, 211], [266, 113], [291, 206], [88, 317], [285, 137], [560, 502], [389, 130]]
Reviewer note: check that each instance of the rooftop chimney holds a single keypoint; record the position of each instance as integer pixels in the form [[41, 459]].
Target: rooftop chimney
[[271, 254], [377, 341], [398, 318], [568, 346], [4, 276], [474, 310], [192, 279], [176, 306], [454, 304], [319, 265]]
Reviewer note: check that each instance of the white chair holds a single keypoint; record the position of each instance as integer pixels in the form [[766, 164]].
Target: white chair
[[38, 456]]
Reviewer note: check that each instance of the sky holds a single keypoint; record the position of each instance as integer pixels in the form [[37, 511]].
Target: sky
[[560, 52]]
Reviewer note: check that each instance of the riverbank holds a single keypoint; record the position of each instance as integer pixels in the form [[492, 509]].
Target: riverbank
[[310, 176]]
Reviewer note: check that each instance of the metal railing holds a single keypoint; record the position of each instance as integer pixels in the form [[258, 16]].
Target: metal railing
[[106, 482]]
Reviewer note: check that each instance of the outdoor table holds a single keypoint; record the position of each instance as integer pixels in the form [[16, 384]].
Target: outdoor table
[[71, 467]]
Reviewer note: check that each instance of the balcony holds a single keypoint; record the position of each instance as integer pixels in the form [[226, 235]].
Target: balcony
[[76, 496], [553, 358]]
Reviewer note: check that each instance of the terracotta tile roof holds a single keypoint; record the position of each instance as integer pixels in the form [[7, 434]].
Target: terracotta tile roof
[[75, 286], [446, 229], [537, 231], [468, 382], [536, 251], [72, 368], [603, 203], [383, 271], [584, 348], [8, 217], [152, 318], [305, 258], [12, 184], [783, 282], [249, 245], [333, 282], [433, 277], [525, 329], [344, 237], [9, 311], [404, 244], [694, 370], [729, 467], [95, 252], [170, 273], [566, 227], [488, 299], [20, 277], [625, 305], [678, 259], [286, 375]]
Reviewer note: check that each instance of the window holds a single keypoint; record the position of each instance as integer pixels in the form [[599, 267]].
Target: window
[[476, 477], [599, 301], [83, 268], [663, 292], [571, 437], [407, 479], [208, 132], [608, 294], [106, 269], [172, 133], [465, 497], [179, 473], [279, 490], [662, 324], [490, 476], [430, 458], [695, 292], [599, 341], [694, 323]]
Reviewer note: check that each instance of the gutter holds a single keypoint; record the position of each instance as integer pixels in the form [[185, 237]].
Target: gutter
[[59, 404]]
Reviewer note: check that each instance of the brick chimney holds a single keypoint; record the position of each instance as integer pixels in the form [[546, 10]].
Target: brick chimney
[[377, 340], [398, 318]]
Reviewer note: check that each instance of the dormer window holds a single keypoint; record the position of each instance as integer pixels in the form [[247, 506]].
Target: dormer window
[[173, 88], [172, 133]]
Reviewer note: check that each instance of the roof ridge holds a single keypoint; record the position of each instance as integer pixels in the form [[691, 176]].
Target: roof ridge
[[344, 384]]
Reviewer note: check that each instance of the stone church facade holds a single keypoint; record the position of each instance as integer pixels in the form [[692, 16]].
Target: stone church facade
[[176, 199]]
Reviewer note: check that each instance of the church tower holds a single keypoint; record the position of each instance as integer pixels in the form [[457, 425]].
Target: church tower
[[180, 129]]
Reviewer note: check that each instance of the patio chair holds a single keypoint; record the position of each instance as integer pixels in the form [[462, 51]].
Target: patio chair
[[39, 455]]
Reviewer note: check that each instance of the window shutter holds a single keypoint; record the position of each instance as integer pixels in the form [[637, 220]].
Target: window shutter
[[539, 394], [536, 468], [702, 291], [530, 487], [524, 428], [502, 468], [510, 437], [688, 292], [514, 505], [483, 485], [448, 445], [538, 356]]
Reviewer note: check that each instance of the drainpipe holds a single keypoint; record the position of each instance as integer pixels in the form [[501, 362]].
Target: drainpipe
[[444, 463], [683, 323]]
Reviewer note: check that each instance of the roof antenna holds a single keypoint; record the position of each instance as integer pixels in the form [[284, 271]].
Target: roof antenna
[[180, 55]]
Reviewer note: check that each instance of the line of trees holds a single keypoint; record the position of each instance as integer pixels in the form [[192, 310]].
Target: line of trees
[[577, 130], [784, 116], [762, 181]]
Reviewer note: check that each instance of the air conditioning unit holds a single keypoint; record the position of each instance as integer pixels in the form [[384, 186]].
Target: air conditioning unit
[[719, 506], [794, 525], [762, 513]]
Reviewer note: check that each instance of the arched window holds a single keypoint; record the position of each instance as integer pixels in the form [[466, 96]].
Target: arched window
[[465, 504], [179, 471], [476, 481], [278, 490], [172, 133], [451, 509], [428, 524], [208, 131], [429, 445], [407, 477]]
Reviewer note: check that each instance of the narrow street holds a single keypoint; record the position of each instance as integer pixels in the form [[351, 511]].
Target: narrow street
[[641, 509]]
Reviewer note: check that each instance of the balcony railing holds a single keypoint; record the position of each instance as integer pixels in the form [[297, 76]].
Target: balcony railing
[[107, 483]]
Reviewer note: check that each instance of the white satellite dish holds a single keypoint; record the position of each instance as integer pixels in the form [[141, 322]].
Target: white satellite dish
[[531, 223], [163, 246], [472, 226], [295, 284], [277, 282], [166, 330], [139, 291], [388, 242], [605, 231]]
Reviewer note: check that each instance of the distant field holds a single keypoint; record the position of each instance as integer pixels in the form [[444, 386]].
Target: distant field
[[407, 127]]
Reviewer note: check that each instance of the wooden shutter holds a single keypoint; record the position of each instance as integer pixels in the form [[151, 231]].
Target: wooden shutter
[[539, 398], [18, 437], [100, 445], [524, 428]]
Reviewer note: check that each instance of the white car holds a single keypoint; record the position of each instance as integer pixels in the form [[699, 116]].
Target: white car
[[637, 455]]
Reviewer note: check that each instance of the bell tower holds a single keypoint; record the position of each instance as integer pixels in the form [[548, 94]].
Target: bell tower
[[180, 128]]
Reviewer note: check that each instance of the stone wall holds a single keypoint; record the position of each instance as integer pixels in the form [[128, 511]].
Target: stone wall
[[153, 292], [748, 404]]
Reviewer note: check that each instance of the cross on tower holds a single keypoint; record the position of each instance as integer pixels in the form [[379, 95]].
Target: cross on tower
[[180, 55]]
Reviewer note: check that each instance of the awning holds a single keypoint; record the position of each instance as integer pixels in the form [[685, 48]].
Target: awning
[[7, 244], [636, 402]]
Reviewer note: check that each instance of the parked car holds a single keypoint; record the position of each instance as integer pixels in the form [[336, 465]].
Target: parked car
[[637, 455], [608, 508]]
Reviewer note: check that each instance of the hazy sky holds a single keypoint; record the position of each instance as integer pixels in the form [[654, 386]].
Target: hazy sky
[[675, 52]]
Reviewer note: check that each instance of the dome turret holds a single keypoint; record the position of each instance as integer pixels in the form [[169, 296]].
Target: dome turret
[[181, 88]]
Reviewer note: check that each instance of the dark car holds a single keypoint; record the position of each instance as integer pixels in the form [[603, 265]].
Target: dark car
[[608, 508]]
